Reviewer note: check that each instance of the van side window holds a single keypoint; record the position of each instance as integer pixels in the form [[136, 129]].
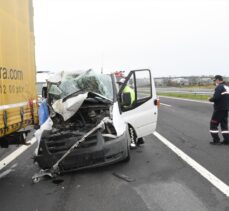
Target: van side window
[[138, 85], [143, 84]]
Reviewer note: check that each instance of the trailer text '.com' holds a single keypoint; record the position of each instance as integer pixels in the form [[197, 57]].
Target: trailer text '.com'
[[10, 74]]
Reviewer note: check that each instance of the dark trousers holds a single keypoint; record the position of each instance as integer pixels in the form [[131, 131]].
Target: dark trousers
[[219, 117]]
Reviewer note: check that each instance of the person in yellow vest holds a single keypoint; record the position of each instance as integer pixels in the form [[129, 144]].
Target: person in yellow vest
[[127, 89]]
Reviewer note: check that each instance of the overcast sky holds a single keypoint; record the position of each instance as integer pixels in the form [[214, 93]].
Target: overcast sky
[[172, 38]]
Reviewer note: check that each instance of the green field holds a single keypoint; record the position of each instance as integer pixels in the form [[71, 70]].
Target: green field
[[184, 95]]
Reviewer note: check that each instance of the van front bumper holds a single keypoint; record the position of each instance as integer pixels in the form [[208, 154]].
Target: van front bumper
[[96, 151]]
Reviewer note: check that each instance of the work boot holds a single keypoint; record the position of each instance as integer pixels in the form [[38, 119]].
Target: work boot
[[140, 141], [225, 142], [215, 142]]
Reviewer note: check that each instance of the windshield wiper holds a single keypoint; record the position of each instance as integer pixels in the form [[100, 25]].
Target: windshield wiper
[[104, 100]]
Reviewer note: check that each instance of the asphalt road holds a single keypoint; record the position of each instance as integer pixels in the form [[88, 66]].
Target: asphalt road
[[162, 181], [186, 124]]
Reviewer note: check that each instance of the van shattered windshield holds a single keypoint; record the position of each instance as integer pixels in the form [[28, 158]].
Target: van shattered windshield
[[89, 81]]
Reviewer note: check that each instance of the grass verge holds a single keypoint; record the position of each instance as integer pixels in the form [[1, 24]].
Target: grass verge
[[184, 95]]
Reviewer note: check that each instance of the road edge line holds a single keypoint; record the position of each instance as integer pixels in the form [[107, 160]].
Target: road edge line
[[7, 160], [220, 185]]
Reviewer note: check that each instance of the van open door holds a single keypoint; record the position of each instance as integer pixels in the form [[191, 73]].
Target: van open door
[[138, 102]]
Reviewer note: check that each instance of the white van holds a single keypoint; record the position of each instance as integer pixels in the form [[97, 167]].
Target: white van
[[108, 117]]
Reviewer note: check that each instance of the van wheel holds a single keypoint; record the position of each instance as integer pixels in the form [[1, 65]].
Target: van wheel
[[133, 137]]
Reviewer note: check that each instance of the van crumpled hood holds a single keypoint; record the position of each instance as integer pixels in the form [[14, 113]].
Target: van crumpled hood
[[69, 107]]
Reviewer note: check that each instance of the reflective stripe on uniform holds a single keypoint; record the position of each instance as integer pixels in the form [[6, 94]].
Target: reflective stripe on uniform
[[227, 90], [213, 131], [225, 93], [225, 131]]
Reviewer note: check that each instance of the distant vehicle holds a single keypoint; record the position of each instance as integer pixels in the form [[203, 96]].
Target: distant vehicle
[[90, 114], [41, 84], [18, 104], [41, 78]]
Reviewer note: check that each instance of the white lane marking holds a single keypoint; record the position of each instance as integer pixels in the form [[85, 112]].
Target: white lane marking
[[224, 188], [177, 98], [16, 153], [164, 104], [6, 172]]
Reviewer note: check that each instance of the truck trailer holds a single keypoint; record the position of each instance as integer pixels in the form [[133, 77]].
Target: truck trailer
[[18, 96]]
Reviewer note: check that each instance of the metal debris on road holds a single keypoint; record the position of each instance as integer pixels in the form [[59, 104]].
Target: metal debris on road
[[124, 177], [57, 181]]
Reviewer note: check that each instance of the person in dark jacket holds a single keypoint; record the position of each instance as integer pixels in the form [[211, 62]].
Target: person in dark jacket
[[220, 113]]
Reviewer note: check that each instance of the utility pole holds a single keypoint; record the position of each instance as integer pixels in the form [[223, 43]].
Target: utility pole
[[101, 63]]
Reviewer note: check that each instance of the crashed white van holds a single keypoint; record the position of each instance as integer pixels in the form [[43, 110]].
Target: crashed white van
[[92, 121]]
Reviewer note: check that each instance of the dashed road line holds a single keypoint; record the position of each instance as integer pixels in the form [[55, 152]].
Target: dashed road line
[[220, 185], [6, 161], [164, 104]]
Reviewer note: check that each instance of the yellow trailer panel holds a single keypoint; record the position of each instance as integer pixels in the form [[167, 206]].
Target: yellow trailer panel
[[18, 104]]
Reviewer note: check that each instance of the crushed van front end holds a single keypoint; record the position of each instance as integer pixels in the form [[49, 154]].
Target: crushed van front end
[[83, 119], [97, 150]]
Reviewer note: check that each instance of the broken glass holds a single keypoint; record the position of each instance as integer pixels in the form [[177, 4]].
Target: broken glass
[[89, 81]]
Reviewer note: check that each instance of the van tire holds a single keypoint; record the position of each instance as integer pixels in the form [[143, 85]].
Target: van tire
[[127, 159], [133, 136]]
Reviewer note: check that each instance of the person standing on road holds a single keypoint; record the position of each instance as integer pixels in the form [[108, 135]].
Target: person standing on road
[[220, 113]]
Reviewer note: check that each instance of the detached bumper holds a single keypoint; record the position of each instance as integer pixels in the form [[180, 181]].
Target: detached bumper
[[96, 151]]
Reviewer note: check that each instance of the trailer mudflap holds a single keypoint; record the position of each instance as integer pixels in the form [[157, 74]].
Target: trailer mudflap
[[16, 138]]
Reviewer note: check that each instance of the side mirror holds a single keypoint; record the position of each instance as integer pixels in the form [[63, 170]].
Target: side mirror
[[44, 92], [126, 99]]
